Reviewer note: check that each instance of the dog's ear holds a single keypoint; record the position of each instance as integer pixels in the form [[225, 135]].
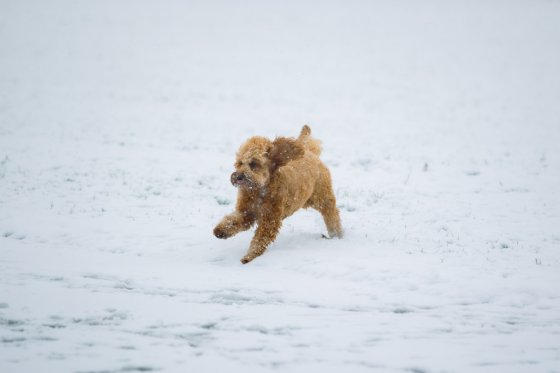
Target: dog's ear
[[284, 150]]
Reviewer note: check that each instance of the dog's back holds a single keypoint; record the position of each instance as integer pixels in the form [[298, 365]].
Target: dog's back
[[306, 178]]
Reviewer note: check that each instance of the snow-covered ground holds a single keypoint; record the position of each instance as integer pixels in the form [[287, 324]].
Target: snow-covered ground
[[119, 122]]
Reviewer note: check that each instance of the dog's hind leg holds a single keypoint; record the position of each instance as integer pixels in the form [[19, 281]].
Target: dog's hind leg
[[331, 217], [324, 201]]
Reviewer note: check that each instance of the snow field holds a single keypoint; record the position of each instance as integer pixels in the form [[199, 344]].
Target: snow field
[[118, 128]]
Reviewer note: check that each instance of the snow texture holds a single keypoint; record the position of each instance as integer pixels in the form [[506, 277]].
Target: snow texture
[[119, 122]]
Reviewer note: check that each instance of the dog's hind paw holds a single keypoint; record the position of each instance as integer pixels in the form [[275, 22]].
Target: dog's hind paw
[[332, 235]]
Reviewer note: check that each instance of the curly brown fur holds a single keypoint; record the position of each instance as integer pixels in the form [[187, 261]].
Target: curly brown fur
[[275, 179]]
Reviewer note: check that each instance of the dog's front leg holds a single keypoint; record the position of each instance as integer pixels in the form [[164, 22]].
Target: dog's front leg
[[264, 236], [234, 223], [269, 226]]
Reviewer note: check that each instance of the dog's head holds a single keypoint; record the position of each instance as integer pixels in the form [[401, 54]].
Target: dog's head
[[258, 158]]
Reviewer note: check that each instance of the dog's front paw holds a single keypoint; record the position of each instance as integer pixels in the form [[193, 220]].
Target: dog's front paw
[[246, 259], [220, 232]]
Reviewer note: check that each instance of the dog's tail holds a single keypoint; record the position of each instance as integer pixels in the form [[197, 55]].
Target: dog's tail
[[309, 143]]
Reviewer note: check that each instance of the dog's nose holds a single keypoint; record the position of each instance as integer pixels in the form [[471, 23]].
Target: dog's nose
[[240, 177]]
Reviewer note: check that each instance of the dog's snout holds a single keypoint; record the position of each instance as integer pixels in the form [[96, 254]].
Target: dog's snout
[[236, 177]]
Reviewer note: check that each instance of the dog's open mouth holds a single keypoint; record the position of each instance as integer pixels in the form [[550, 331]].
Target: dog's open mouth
[[240, 183]]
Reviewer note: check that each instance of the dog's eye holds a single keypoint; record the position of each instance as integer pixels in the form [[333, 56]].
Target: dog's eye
[[253, 165]]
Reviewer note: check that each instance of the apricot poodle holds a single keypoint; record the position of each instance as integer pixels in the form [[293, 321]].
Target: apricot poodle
[[275, 179]]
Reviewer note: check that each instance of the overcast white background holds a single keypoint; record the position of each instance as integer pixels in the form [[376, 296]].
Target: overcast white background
[[119, 122]]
